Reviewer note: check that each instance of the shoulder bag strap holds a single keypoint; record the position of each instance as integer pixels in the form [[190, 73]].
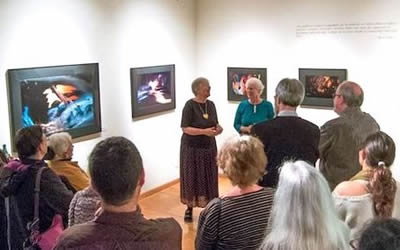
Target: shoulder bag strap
[[7, 205], [36, 194]]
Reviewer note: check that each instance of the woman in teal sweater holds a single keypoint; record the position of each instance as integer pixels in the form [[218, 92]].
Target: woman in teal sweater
[[254, 109]]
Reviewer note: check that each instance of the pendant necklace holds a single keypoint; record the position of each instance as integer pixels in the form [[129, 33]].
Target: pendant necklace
[[205, 114]]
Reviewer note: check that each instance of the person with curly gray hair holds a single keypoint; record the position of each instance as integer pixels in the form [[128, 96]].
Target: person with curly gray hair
[[238, 219]]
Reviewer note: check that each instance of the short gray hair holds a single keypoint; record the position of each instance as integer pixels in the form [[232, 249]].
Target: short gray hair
[[352, 93], [59, 143], [255, 82], [314, 223], [290, 92], [197, 82]]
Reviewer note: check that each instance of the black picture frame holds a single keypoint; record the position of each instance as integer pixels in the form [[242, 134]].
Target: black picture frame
[[237, 78], [61, 98], [152, 89], [320, 85]]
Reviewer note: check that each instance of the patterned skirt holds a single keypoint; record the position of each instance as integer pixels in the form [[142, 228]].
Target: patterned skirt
[[198, 173]]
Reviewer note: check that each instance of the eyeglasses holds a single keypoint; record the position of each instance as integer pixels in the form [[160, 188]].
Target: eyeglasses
[[336, 95]]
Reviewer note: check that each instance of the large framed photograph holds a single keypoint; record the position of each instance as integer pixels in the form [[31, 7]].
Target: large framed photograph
[[152, 89], [320, 85], [61, 98], [237, 78]]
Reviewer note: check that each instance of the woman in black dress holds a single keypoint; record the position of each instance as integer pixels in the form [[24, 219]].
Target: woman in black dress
[[198, 167]]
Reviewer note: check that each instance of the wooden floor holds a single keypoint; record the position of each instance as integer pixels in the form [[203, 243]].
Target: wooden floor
[[166, 203]]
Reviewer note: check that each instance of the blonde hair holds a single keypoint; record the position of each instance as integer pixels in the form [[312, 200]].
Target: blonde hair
[[59, 143], [242, 159]]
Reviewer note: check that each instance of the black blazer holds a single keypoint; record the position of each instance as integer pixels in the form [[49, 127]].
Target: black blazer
[[286, 138]]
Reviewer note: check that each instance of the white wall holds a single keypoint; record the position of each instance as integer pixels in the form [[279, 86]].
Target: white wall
[[200, 37], [262, 33], [119, 35]]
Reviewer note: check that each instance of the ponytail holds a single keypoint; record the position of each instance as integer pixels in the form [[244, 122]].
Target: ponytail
[[383, 189]]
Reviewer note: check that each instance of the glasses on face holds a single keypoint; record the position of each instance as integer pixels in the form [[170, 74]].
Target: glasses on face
[[336, 95]]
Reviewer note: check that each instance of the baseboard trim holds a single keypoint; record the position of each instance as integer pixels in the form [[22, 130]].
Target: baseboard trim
[[158, 189]]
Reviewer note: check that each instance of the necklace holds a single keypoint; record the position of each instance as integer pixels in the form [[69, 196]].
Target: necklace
[[205, 114]]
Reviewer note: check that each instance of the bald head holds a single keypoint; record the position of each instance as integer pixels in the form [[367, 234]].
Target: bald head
[[352, 93]]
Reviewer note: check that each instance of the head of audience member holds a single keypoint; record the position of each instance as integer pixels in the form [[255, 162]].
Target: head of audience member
[[60, 147], [117, 175], [303, 214], [201, 88], [380, 233], [243, 160], [348, 94], [288, 95], [377, 154], [254, 88], [31, 142]]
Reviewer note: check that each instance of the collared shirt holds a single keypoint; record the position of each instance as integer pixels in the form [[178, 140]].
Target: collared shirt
[[288, 113], [122, 231]]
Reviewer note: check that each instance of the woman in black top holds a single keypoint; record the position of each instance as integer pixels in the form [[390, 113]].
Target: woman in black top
[[198, 170]]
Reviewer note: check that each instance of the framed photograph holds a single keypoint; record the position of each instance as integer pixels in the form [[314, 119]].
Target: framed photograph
[[152, 89], [237, 78], [320, 85], [61, 98]]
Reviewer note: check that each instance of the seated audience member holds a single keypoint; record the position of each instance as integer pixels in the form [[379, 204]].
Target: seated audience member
[[303, 215], [371, 192], [83, 206], [117, 175], [379, 234], [238, 219], [17, 187], [60, 155]]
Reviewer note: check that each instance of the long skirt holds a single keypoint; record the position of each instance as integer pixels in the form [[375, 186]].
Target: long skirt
[[198, 174]]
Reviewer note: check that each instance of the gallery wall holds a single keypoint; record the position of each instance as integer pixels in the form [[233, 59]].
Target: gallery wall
[[118, 35], [201, 37], [360, 36]]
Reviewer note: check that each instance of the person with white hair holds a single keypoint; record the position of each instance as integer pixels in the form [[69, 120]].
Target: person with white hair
[[303, 215], [253, 110], [59, 154]]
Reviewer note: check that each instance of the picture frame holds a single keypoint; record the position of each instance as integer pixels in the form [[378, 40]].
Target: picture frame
[[64, 98], [152, 89], [320, 85], [237, 78]]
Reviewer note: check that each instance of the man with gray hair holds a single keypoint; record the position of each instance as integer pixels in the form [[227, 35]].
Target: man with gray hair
[[341, 137], [287, 136]]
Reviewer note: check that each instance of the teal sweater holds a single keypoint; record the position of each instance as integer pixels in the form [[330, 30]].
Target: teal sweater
[[246, 116]]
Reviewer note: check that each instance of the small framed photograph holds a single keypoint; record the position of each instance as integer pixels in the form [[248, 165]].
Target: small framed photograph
[[152, 89], [61, 98], [237, 78], [320, 85]]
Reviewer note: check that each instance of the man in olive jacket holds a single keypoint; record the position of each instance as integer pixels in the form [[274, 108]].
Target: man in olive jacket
[[341, 137]]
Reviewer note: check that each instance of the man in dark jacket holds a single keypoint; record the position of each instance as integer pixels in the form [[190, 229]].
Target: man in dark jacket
[[341, 137], [17, 180], [287, 136], [117, 174]]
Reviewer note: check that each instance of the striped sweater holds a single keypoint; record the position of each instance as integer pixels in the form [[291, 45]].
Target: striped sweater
[[237, 222]]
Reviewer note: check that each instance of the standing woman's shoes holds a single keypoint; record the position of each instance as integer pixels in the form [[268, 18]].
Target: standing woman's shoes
[[188, 215]]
